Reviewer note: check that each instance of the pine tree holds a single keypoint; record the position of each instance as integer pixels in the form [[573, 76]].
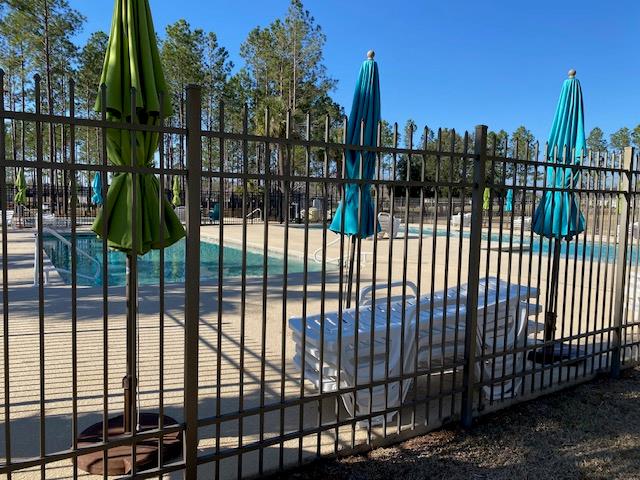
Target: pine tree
[[182, 56], [596, 142], [47, 27], [217, 68], [635, 136], [620, 139], [285, 70], [521, 147], [90, 62]]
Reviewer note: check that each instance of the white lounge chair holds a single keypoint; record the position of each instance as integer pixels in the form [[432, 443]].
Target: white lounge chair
[[517, 221], [504, 313], [457, 219], [389, 225], [314, 214], [48, 220], [52, 221], [634, 297], [180, 212], [9, 217], [634, 230]]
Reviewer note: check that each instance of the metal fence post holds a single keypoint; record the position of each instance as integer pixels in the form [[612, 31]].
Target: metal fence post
[[471, 317], [192, 278], [621, 267]]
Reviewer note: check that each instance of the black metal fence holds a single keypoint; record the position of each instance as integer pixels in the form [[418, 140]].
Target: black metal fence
[[262, 340]]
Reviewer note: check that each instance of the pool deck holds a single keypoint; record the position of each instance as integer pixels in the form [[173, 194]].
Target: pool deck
[[221, 324]]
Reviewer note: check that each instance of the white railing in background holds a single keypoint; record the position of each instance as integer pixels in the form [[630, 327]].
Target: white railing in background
[[258, 210], [49, 268]]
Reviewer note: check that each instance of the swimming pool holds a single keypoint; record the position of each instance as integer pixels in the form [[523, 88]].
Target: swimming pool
[[599, 251], [90, 269]]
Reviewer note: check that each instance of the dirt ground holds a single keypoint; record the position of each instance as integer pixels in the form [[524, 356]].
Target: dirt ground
[[588, 432]]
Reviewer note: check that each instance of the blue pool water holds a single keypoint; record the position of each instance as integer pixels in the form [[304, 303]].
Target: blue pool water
[[599, 252], [174, 262]]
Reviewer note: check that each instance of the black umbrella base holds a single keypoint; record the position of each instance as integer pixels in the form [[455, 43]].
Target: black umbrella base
[[119, 460], [569, 355]]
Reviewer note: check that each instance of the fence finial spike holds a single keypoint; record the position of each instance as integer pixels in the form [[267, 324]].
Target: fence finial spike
[[572, 73], [371, 54]]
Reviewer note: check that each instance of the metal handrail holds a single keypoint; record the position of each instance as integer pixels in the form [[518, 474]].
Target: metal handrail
[[336, 260], [65, 241], [254, 211]]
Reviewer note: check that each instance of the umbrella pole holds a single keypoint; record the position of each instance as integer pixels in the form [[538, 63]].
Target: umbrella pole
[[556, 352], [552, 296], [129, 382], [350, 277]]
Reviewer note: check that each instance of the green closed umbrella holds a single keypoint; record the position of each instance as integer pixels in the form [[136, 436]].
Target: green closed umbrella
[[136, 92], [486, 199], [175, 201], [133, 61], [20, 198]]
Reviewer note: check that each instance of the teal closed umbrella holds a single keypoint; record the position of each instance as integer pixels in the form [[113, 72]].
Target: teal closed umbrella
[[558, 216], [96, 186], [508, 204], [355, 215]]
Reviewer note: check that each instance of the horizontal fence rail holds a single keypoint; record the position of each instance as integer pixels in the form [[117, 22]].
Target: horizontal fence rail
[[267, 337]]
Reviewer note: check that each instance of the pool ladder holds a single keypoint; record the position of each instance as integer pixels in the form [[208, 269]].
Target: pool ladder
[[254, 211], [47, 269], [366, 256]]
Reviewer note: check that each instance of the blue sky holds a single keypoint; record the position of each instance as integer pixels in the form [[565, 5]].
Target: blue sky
[[452, 63]]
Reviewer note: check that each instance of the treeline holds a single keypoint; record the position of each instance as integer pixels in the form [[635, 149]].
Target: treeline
[[282, 69], [618, 141]]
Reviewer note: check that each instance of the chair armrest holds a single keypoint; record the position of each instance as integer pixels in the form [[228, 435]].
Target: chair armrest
[[531, 308], [365, 292]]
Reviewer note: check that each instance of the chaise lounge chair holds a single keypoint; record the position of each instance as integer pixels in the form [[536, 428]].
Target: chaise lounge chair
[[502, 317], [517, 221], [9, 217], [389, 225], [457, 219]]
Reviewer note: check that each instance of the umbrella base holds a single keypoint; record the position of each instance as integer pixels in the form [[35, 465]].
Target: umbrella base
[[569, 355], [119, 461]]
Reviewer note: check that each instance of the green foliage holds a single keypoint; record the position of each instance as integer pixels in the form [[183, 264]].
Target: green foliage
[[635, 136], [90, 63], [596, 140], [38, 37], [182, 56], [409, 166], [46, 28], [521, 143], [498, 143], [620, 139], [283, 70]]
